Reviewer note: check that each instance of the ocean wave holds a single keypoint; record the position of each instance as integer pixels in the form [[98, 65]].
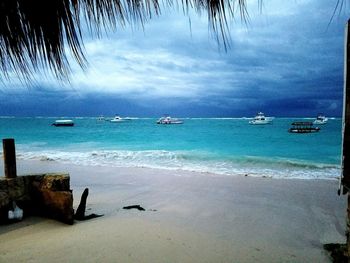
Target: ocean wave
[[283, 163], [196, 161]]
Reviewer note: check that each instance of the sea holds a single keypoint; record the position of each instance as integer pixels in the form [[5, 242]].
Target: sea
[[222, 146]]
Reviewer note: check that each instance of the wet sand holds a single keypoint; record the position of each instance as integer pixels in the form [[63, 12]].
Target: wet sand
[[189, 217]]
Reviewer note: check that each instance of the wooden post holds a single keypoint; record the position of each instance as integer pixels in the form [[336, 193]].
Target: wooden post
[[346, 115], [345, 179], [9, 153]]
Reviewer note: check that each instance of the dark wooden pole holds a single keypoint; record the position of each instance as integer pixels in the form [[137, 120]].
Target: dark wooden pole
[[9, 158], [345, 180], [346, 115]]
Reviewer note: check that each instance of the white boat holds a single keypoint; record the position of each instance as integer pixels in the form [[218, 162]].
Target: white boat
[[321, 119], [117, 119], [261, 119], [58, 123], [169, 120], [101, 118]]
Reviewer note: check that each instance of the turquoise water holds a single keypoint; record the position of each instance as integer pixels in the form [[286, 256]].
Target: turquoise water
[[222, 146]]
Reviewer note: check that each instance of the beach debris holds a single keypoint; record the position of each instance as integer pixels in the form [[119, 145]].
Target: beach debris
[[53, 198], [138, 207], [46, 195], [80, 214], [11, 215], [57, 205], [16, 213]]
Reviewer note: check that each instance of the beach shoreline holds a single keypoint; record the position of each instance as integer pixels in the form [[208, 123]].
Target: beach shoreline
[[189, 217]]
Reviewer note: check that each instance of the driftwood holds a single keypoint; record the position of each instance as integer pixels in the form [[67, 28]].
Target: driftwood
[[80, 214], [138, 207]]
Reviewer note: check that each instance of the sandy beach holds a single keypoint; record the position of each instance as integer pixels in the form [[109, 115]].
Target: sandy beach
[[189, 217]]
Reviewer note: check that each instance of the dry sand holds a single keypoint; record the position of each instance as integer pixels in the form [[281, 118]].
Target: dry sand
[[189, 217]]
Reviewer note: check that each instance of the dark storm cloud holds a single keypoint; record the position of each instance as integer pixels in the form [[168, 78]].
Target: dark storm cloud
[[287, 61]]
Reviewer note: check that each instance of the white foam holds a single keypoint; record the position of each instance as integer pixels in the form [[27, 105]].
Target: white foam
[[189, 161]]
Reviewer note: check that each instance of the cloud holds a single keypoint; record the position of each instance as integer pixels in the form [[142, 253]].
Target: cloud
[[285, 57]]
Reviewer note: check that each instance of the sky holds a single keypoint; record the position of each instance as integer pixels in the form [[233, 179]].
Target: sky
[[287, 61]]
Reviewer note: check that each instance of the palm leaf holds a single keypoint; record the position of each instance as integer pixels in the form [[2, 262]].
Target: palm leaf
[[35, 33]]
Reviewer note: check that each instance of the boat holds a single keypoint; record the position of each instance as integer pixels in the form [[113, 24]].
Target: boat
[[59, 123], [117, 118], [101, 118], [321, 119], [303, 127], [169, 120], [261, 119]]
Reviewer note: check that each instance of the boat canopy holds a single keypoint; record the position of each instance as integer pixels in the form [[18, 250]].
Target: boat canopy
[[302, 123]]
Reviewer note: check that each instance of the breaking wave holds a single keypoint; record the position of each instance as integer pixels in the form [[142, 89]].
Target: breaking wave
[[197, 161]]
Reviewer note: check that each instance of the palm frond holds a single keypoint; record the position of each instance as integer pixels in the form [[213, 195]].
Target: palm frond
[[34, 33]]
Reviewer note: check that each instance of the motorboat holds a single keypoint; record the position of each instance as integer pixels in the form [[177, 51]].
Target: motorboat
[[59, 123], [321, 119], [117, 118], [101, 118], [261, 119], [169, 120], [303, 127]]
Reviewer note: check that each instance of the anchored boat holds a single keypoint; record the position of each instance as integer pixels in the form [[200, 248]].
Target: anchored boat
[[58, 123], [169, 120], [321, 119], [261, 119], [117, 118], [303, 127]]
